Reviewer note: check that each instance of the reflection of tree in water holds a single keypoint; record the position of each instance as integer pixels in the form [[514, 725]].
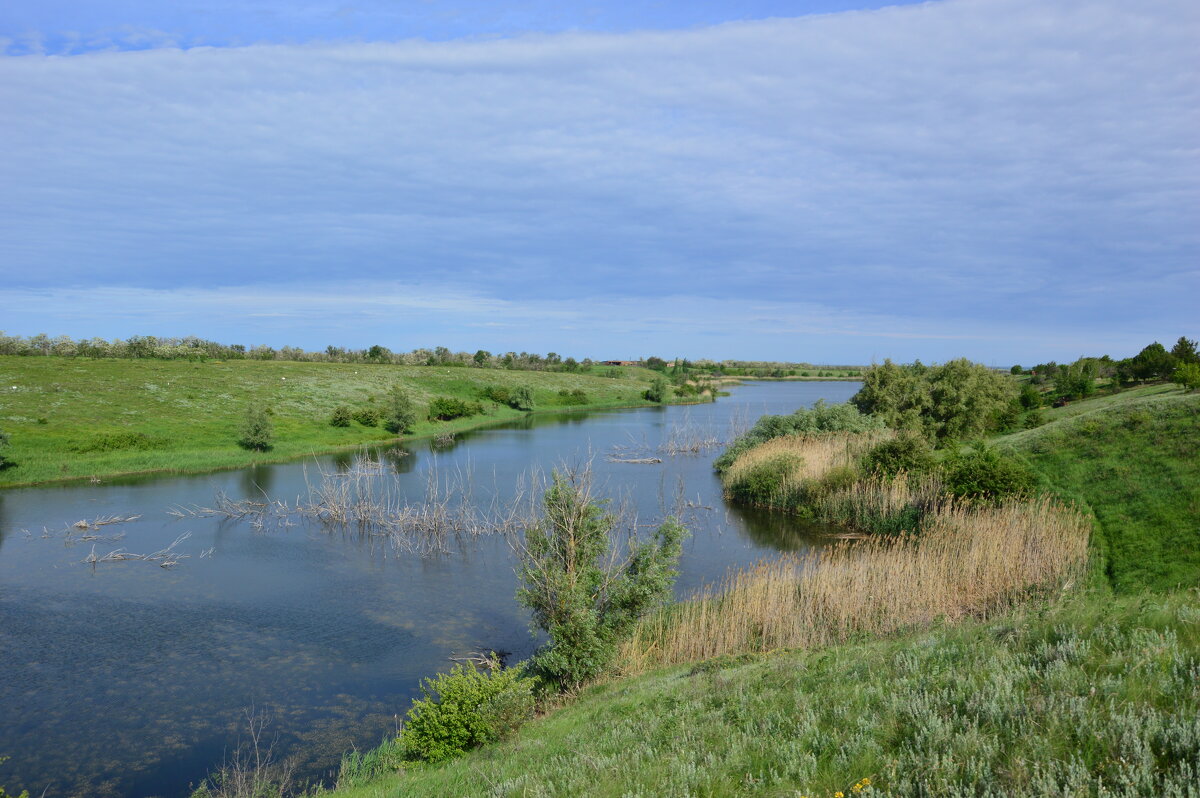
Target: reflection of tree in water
[[401, 459], [4, 530], [256, 481], [781, 531]]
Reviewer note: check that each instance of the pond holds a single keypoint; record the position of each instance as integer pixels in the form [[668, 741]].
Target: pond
[[125, 678]]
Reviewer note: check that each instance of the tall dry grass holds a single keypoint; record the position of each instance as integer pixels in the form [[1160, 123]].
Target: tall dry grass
[[968, 561], [810, 457]]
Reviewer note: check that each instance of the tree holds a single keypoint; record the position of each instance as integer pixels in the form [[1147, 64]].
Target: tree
[[4, 461], [257, 432], [585, 593], [1186, 376], [1184, 351], [656, 363], [1153, 362], [522, 398], [957, 400], [481, 358], [1016, 370], [657, 391], [401, 414]]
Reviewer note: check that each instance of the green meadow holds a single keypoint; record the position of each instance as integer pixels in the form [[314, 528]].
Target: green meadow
[[72, 418]]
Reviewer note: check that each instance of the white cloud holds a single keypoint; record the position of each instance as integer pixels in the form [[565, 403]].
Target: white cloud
[[988, 160]]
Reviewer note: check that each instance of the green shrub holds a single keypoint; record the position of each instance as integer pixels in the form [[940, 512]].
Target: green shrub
[[818, 418], [657, 391], [115, 441], [985, 473], [368, 416], [401, 415], [256, 432], [1034, 418], [496, 393], [762, 484], [522, 398], [464, 709], [340, 418], [446, 408], [575, 397], [1030, 397], [582, 591], [4, 461], [909, 452]]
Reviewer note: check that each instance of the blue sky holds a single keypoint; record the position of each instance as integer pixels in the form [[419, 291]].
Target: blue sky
[[1009, 180]]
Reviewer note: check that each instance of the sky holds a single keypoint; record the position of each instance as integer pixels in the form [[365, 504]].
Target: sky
[[834, 181]]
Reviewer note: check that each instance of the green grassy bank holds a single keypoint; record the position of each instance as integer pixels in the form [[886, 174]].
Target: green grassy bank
[[1085, 698], [1133, 460], [1094, 693], [77, 418]]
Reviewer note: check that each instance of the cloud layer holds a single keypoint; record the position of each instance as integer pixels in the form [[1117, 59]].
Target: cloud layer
[[1009, 168]]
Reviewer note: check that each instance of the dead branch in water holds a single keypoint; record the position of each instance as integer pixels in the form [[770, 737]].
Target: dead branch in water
[[371, 500], [166, 558]]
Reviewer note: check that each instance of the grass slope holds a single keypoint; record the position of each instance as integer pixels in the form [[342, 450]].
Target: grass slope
[[189, 413], [1092, 697], [1134, 460]]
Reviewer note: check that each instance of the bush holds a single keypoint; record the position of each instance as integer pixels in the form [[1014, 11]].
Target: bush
[[583, 593], [657, 390], [115, 441], [1030, 397], [256, 431], [763, 484], [340, 418], [368, 416], [496, 393], [909, 452], [987, 474], [818, 418], [522, 398], [446, 408], [575, 397], [464, 709], [4, 461], [401, 415]]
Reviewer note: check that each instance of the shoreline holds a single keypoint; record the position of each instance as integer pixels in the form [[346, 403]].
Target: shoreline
[[267, 459]]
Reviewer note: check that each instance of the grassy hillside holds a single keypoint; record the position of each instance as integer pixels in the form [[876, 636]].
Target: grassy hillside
[[1134, 460], [71, 418], [1092, 696]]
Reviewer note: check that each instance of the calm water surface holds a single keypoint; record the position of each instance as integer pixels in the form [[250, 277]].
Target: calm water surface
[[127, 679]]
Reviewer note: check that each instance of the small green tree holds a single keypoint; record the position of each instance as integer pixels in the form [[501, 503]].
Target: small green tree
[[582, 591], [401, 414], [1184, 351], [521, 398], [657, 390], [257, 432], [1186, 376], [341, 417], [4, 461]]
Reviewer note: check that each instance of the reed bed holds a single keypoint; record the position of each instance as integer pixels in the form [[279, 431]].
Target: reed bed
[[969, 560], [797, 461]]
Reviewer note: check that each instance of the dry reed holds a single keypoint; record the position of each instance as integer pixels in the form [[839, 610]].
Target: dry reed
[[968, 561]]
